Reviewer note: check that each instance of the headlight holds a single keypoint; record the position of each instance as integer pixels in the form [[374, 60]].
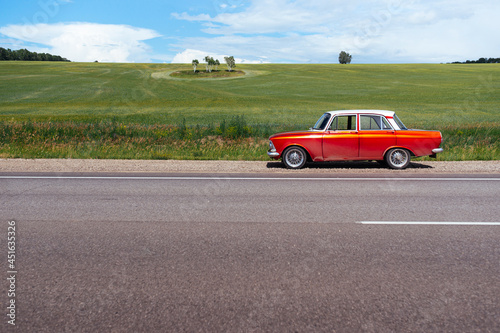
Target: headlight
[[271, 146]]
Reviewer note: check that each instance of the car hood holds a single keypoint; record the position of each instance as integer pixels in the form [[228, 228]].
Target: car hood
[[294, 133]]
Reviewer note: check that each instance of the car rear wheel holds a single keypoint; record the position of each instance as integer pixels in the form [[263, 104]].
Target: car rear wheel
[[397, 158], [294, 158]]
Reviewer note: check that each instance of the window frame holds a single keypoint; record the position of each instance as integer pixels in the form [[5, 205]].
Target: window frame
[[335, 120]]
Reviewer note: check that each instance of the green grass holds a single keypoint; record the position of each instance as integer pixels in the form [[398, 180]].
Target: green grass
[[38, 99], [232, 139]]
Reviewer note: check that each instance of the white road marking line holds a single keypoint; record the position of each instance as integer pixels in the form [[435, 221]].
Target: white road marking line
[[247, 178], [428, 223]]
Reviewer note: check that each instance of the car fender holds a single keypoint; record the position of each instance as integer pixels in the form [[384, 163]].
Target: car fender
[[422, 142], [311, 142], [309, 156], [403, 147]]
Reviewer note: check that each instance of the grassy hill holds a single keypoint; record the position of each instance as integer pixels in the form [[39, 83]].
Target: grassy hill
[[127, 103]]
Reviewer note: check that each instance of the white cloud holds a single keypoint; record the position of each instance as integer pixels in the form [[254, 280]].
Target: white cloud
[[86, 41], [187, 17], [456, 37], [375, 31], [265, 49], [264, 16], [188, 55]]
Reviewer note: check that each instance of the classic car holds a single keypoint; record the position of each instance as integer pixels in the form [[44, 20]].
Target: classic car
[[355, 135]]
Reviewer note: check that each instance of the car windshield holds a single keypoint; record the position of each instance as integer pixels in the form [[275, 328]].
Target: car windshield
[[322, 122], [399, 122]]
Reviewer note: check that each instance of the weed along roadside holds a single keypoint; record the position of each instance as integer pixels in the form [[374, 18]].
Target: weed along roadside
[[124, 111], [233, 139], [229, 140]]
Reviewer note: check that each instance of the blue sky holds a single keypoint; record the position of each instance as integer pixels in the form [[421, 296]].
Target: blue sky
[[254, 31]]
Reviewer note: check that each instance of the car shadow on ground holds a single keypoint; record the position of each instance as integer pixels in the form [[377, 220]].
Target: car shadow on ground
[[347, 165]]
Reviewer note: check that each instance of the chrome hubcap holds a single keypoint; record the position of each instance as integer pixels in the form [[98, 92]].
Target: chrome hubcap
[[398, 157], [294, 158]]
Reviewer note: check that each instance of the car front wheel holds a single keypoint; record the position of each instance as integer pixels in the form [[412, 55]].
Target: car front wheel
[[397, 158], [294, 158]]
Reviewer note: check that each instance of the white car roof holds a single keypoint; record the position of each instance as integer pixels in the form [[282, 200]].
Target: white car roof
[[378, 112]]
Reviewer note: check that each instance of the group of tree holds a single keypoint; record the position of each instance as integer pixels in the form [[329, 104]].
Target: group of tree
[[210, 63], [480, 61], [25, 55]]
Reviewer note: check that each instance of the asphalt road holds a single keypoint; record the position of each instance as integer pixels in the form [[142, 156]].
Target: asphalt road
[[253, 253]]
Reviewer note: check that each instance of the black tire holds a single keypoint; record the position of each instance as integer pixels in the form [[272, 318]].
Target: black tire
[[294, 157], [397, 158]]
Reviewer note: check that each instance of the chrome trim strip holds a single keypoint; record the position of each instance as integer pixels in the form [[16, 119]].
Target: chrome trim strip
[[437, 150]]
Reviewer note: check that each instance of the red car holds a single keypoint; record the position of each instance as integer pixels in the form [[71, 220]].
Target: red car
[[353, 136]]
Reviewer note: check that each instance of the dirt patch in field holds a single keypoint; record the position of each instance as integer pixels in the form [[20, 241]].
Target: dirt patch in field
[[245, 74]]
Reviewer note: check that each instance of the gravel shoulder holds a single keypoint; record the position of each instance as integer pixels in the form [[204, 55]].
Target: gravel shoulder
[[182, 166]]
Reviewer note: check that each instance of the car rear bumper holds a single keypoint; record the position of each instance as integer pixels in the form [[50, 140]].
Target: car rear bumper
[[435, 151]]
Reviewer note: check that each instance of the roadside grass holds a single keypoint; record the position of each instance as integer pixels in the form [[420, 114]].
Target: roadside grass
[[229, 140], [95, 110], [474, 142]]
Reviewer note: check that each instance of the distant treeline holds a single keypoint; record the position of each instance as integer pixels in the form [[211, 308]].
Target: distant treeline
[[480, 61], [25, 55]]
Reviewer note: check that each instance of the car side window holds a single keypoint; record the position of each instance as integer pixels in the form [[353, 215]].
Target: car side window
[[343, 123], [369, 122], [385, 124]]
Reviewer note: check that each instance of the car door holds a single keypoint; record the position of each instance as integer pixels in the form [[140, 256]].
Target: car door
[[375, 136], [340, 141]]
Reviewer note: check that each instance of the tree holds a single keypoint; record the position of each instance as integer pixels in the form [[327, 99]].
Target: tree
[[217, 64], [230, 63], [345, 58], [25, 55], [210, 63], [4, 54], [195, 64], [480, 61], [207, 60]]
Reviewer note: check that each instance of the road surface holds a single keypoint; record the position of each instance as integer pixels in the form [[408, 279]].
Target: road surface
[[253, 252]]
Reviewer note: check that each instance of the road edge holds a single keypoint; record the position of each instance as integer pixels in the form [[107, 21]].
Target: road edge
[[197, 166]]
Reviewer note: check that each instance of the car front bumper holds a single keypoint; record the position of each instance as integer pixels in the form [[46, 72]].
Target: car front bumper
[[273, 154]]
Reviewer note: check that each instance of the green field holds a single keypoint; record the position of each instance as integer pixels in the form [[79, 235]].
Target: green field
[[96, 110]]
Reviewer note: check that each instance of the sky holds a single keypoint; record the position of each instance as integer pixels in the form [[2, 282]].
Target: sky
[[254, 31]]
